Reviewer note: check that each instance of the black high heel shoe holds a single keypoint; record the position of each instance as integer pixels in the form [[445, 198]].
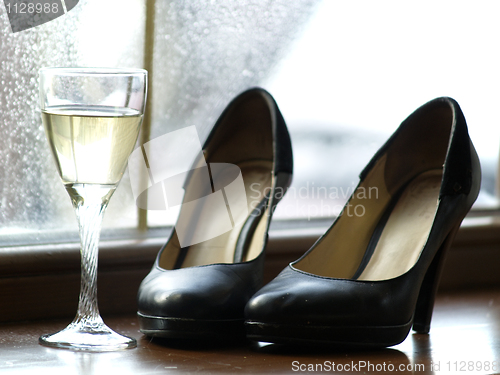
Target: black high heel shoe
[[374, 274], [205, 274]]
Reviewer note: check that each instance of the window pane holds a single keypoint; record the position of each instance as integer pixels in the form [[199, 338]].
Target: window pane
[[345, 74], [34, 204], [362, 67], [206, 53]]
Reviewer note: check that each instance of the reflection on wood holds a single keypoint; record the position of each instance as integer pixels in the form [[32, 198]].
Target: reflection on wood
[[465, 335]]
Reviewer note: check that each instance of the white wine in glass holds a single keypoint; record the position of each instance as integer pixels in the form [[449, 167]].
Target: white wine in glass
[[92, 119]]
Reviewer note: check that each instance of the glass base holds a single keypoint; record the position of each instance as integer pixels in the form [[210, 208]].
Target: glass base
[[91, 339]]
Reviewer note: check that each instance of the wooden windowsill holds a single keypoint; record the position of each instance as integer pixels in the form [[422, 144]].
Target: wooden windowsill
[[42, 282], [465, 332]]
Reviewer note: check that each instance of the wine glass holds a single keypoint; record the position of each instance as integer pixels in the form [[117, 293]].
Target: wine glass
[[92, 118]]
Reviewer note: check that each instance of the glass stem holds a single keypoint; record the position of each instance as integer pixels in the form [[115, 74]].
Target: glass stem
[[90, 202]]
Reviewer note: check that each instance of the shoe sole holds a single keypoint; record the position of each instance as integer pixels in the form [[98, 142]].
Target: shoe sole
[[355, 337], [178, 328]]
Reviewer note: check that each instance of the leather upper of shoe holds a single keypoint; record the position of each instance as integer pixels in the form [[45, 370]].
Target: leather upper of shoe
[[298, 298], [339, 281], [214, 280]]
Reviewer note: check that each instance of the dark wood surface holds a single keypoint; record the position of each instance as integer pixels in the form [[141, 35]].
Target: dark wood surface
[[464, 339]]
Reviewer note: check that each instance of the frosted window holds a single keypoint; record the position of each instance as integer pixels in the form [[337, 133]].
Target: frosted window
[[206, 52], [34, 206], [344, 75]]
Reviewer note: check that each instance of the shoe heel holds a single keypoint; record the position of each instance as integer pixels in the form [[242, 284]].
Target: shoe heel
[[425, 302]]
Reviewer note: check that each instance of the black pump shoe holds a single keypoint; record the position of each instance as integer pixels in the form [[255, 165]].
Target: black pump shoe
[[372, 277], [204, 275]]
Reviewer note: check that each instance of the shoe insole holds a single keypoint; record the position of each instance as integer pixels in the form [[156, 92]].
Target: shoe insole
[[406, 230], [257, 179]]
